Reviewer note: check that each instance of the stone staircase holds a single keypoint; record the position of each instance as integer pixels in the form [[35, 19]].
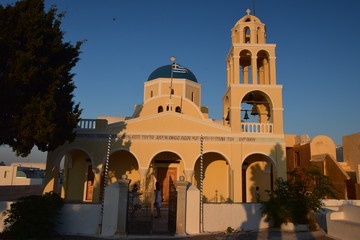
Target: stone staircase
[[160, 225], [144, 222], [351, 172]]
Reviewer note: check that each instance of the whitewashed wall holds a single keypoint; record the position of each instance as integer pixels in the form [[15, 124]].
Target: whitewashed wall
[[239, 216], [84, 219], [247, 216], [75, 218], [80, 219]]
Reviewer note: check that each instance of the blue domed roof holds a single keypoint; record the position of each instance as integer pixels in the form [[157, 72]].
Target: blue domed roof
[[165, 72]]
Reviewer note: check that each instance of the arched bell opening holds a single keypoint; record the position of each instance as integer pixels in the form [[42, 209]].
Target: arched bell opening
[[245, 67], [257, 178], [256, 107], [263, 67], [256, 113], [226, 111], [247, 35]]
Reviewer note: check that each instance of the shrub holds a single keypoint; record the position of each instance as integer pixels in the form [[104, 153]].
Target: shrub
[[33, 216], [292, 200]]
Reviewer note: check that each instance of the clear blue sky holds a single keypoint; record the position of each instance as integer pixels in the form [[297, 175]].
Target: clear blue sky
[[318, 54]]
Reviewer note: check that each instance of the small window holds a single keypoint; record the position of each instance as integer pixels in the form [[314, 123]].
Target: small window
[[151, 94], [160, 109], [178, 109], [5, 174], [172, 91], [192, 96]]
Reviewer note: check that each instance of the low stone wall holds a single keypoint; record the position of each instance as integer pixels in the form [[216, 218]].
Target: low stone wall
[[332, 205], [345, 223], [83, 219], [239, 216]]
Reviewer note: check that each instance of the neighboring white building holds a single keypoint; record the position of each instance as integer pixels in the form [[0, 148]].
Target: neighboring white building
[[19, 173]]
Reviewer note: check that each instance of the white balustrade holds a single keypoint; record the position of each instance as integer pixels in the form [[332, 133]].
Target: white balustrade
[[257, 127], [87, 124]]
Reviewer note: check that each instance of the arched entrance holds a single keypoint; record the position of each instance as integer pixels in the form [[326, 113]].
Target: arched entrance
[[166, 167], [121, 162], [215, 177], [257, 171], [74, 179]]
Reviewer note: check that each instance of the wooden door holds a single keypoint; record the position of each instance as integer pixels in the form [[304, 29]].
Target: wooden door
[[89, 184], [163, 176]]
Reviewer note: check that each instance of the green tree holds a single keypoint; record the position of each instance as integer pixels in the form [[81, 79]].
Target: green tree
[[36, 86], [292, 200]]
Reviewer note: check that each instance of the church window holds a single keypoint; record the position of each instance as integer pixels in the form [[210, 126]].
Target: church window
[[192, 96], [151, 94], [160, 109], [178, 109]]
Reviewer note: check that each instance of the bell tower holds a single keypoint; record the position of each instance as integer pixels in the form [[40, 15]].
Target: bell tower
[[252, 102]]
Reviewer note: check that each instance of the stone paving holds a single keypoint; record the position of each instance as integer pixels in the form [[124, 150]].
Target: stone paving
[[271, 234]]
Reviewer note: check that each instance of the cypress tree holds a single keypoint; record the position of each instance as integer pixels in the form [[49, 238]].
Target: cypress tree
[[36, 86]]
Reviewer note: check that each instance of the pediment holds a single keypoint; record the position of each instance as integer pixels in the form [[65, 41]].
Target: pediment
[[173, 122]]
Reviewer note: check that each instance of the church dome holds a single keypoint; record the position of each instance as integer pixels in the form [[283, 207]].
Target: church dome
[[165, 72]]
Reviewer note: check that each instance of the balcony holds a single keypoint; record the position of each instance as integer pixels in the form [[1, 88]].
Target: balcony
[[257, 127]]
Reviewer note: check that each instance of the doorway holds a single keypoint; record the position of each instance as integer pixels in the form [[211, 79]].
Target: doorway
[[164, 174]]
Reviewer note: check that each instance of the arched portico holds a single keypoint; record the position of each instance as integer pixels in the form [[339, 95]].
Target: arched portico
[[74, 176], [216, 177], [166, 167], [257, 171]]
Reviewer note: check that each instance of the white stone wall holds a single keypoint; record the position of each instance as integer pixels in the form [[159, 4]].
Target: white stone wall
[[81, 219], [239, 216]]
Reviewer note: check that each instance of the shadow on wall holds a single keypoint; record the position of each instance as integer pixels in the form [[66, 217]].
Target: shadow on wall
[[251, 213], [121, 162]]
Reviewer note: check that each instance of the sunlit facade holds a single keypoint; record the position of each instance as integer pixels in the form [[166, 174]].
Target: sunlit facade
[[170, 133]]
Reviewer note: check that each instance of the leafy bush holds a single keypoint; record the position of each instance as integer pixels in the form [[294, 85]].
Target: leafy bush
[[292, 200], [33, 216]]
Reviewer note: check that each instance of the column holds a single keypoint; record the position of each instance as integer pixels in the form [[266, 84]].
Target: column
[[181, 207], [253, 35], [227, 73], [188, 174], [241, 36], [254, 69], [143, 172], [272, 70], [235, 120], [236, 66], [245, 74]]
